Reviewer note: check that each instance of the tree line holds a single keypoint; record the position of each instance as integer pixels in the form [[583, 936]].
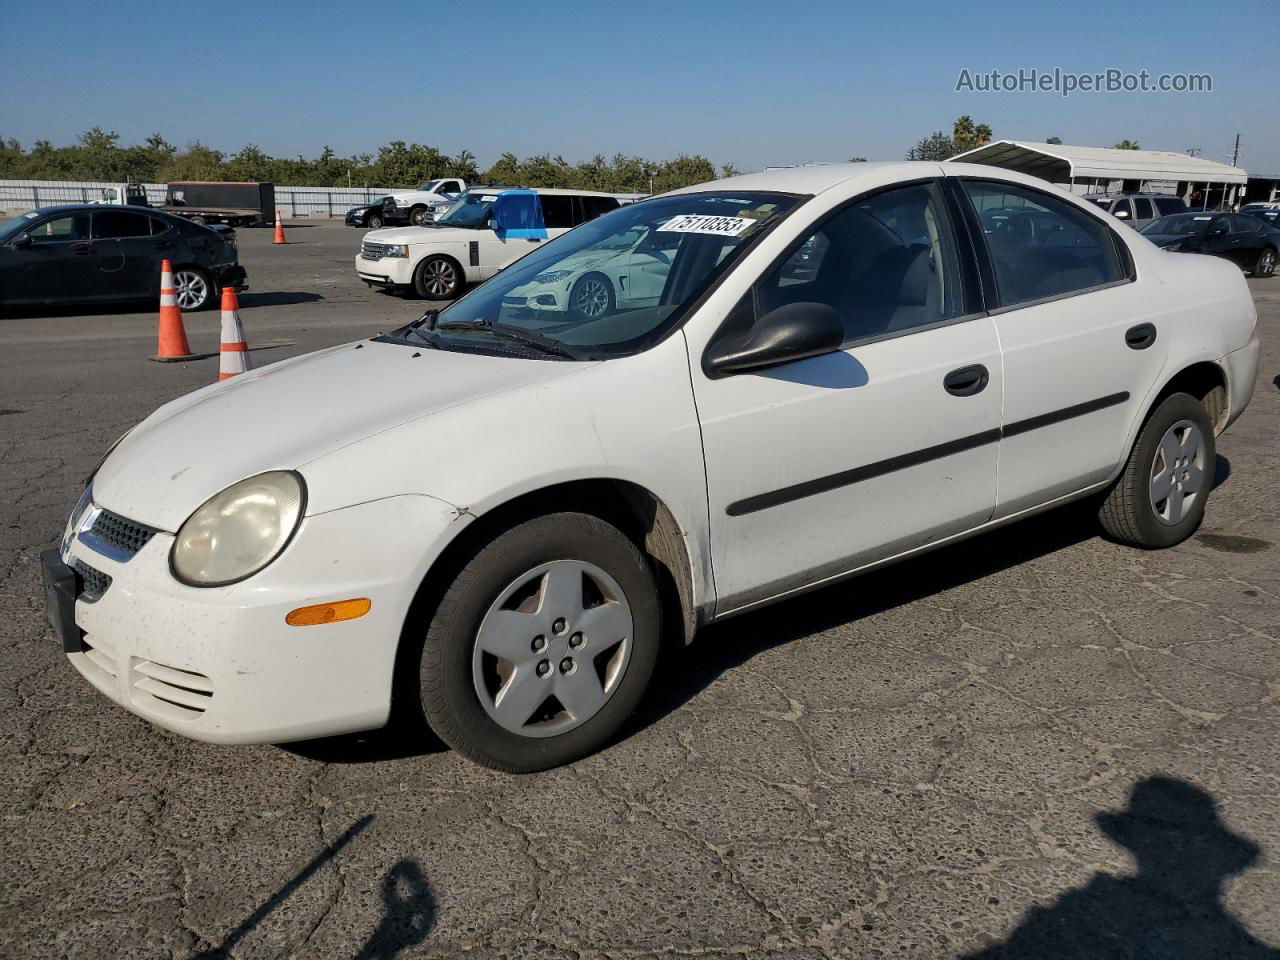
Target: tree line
[[99, 155]]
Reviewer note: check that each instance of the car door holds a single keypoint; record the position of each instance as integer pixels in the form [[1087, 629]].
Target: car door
[[53, 261], [1080, 339], [1219, 240], [1246, 240], [128, 261], [823, 465], [642, 271]]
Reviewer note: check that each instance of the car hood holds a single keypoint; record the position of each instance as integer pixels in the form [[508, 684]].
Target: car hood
[[283, 416], [423, 235]]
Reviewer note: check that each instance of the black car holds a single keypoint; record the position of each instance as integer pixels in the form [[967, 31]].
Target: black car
[[1267, 214], [88, 252], [1244, 240], [371, 215]]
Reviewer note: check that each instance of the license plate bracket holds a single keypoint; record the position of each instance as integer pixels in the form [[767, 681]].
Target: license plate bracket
[[61, 587]]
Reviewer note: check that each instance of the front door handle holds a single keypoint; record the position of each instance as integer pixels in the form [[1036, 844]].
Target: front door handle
[[1141, 336], [967, 381], [81, 247]]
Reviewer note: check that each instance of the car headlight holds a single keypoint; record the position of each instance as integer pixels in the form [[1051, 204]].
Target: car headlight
[[395, 250], [552, 276], [239, 531]]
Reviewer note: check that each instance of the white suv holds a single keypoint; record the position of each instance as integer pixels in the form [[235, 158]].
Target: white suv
[[471, 241], [497, 516]]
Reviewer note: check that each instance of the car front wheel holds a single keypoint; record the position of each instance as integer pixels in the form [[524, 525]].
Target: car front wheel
[[419, 216], [375, 221], [437, 278], [543, 644], [591, 296], [1159, 499]]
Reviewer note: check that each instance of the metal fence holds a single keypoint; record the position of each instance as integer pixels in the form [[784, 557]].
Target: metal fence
[[292, 201]]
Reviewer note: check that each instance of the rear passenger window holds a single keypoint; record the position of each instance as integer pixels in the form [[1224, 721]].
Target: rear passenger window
[[595, 206], [1142, 208], [114, 225], [887, 264], [1168, 205], [1043, 246], [557, 210]]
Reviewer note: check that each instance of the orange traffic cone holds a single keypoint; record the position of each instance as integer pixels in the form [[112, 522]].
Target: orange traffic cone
[[234, 357], [279, 228], [172, 345]]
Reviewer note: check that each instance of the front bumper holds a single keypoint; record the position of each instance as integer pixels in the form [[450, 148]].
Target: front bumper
[[386, 272], [221, 665]]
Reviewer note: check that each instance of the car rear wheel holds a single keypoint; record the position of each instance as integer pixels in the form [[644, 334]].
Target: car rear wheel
[[1266, 265], [1159, 499], [592, 296], [193, 289], [437, 278], [542, 645]]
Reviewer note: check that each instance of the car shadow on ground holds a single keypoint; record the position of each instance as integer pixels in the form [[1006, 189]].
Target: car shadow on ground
[[1171, 908], [250, 300]]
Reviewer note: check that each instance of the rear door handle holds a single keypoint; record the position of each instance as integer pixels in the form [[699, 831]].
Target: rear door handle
[[1141, 336], [967, 381]]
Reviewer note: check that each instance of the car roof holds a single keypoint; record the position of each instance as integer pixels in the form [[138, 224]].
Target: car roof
[[92, 207]]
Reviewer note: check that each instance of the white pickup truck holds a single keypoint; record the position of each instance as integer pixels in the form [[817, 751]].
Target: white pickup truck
[[421, 206]]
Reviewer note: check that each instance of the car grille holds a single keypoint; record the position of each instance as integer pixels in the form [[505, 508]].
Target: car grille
[[372, 251], [95, 581], [125, 536]]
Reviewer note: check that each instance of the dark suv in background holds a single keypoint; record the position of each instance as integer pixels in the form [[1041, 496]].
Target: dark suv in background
[[1138, 209], [88, 253]]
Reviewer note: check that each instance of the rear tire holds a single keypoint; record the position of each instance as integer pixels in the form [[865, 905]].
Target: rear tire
[[194, 289], [574, 602], [1266, 265], [1159, 499]]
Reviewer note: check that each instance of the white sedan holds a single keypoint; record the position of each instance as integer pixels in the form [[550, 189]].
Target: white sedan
[[498, 515]]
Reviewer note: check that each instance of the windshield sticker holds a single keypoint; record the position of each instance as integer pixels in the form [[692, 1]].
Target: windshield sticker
[[716, 226], [488, 199], [1202, 218]]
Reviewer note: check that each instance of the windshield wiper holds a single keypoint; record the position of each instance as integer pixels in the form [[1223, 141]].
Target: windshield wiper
[[414, 327], [510, 331]]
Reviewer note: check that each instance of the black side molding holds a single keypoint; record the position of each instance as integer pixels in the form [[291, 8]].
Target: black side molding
[[844, 478]]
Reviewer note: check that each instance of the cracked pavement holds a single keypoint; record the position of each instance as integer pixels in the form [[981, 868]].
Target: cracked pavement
[[1035, 744]]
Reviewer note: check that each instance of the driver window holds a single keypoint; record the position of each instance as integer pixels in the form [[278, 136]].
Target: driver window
[[886, 263], [71, 226]]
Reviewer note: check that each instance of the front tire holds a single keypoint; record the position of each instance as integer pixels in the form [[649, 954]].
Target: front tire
[[591, 297], [437, 278], [419, 217], [1159, 499], [1266, 265], [374, 221], [543, 644]]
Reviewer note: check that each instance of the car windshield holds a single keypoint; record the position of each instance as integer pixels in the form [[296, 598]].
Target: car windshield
[[471, 210], [429, 185], [615, 284], [1180, 225]]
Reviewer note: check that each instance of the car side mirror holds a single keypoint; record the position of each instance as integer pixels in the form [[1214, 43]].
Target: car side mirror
[[791, 332], [21, 241], [1218, 231]]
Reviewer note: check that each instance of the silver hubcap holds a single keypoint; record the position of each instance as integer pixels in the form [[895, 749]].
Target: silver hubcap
[[439, 277], [1268, 261], [1177, 474], [552, 649], [375, 222], [190, 289], [591, 298]]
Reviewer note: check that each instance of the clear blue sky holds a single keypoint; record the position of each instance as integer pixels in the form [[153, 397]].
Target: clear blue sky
[[754, 83]]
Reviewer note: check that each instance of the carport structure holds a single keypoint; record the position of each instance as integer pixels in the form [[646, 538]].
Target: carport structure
[[1201, 182]]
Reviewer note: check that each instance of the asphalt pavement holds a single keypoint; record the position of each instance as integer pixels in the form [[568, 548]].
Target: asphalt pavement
[[1037, 744]]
